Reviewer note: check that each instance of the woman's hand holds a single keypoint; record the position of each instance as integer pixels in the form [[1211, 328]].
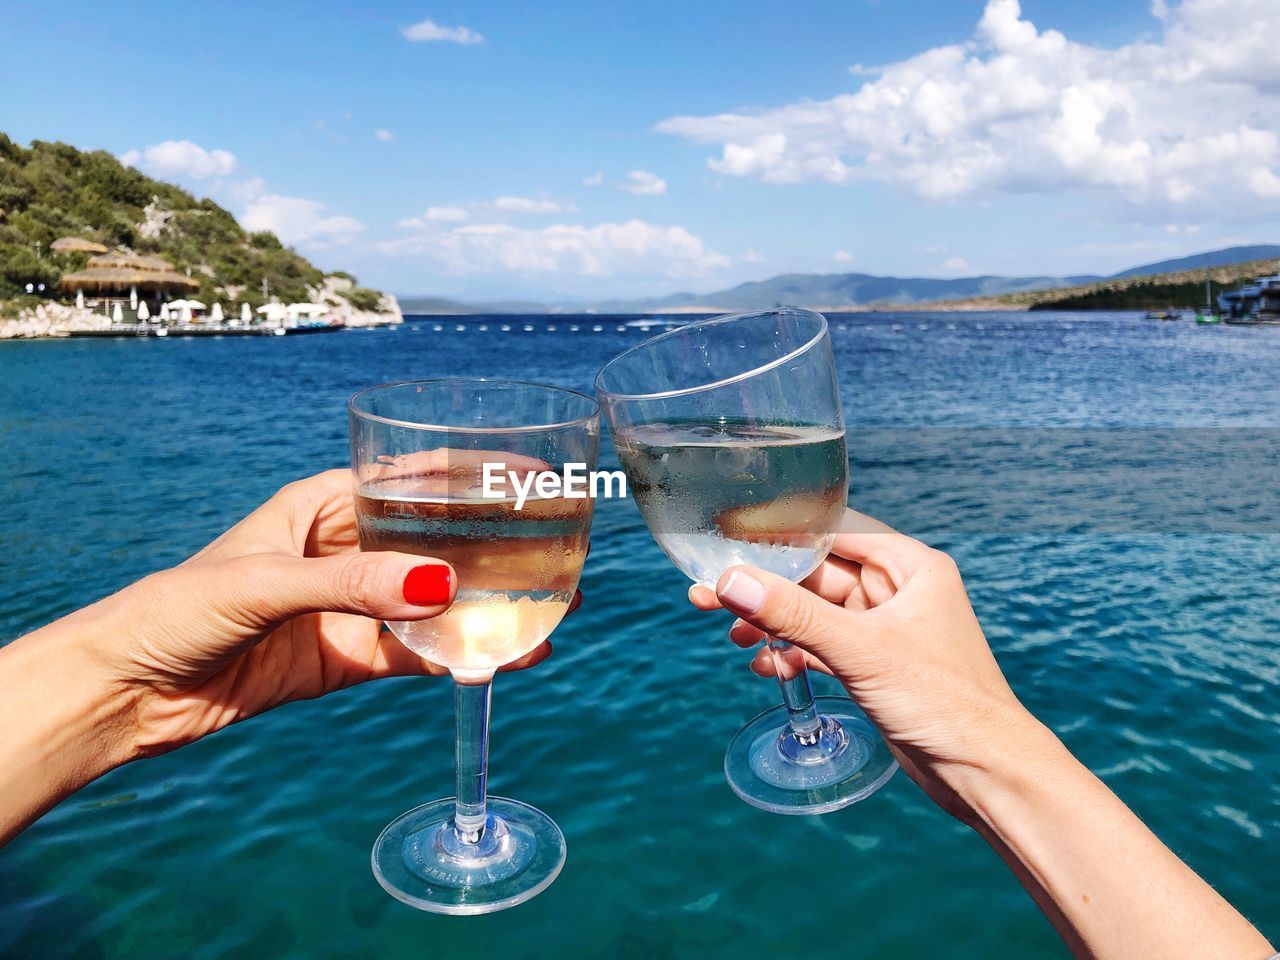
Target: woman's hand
[[890, 619], [281, 607]]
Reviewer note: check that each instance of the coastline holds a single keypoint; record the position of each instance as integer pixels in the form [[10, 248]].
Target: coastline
[[57, 321]]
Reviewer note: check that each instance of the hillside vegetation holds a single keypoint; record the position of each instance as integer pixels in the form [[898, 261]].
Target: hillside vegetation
[[1180, 288], [53, 190]]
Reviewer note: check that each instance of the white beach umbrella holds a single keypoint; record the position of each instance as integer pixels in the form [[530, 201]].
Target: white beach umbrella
[[185, 315], [133, 298], [216, 314], [144, 312], [79, 299], [117, 315], [246, 314], [164, 313]]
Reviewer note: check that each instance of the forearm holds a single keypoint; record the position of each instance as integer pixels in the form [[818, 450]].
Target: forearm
[[62, 722], [1111, 888]]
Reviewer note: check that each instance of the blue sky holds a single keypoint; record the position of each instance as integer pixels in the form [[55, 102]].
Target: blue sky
[[615, 149]]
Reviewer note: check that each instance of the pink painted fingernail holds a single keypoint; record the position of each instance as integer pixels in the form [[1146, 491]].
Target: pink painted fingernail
[[741, 593]]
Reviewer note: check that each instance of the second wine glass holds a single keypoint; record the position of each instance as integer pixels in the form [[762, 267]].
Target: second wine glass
[[732, 437]]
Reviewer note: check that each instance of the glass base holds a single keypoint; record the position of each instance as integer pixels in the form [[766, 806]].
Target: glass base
[[770, 768], [421, 860]]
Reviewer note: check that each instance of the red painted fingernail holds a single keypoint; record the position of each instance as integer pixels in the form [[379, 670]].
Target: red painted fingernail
[[574, 604], [428, 585]]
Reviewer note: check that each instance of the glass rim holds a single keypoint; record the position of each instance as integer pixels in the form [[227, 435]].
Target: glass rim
[[523, 428], [724, 381]]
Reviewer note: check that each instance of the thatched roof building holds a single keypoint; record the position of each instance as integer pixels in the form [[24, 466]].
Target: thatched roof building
[[76, 245], [119, 271]]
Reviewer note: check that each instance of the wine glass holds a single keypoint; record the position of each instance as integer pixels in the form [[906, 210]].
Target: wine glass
[[732, 437], [420, 454]]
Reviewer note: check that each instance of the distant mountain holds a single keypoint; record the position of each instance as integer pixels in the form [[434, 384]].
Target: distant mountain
[[1213, 258], [841, 290], [850, 290]]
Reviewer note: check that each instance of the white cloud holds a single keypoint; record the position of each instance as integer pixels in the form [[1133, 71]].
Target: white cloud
[[384, 135], [843, 256], [426, 30], [594, 180], [180, 159], [1180, 127], [525, 205], [955, 264], [446, 214], [642, 181], [631, 249], [487, 210], [752, 256], [435, 215], [296, 220]]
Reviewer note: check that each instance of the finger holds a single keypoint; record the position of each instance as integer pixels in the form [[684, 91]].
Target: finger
[[703, 597], [394, 659], [532, 658], [285, 521], [838, 581], [867, 541], [835, 580], [266, 589], [452, 469], [763, 663], [575, 603], [744, 634], [785, 610]]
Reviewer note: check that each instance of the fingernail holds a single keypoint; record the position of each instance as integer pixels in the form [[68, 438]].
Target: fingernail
[[742, 593], [428, 585], [575, 603]]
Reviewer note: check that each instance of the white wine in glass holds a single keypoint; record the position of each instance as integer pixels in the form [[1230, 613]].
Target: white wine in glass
[[731, 493], [733, 439]]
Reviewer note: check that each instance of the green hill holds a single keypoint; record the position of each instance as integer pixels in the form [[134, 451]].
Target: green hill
[[53, 190], [1180, 288]]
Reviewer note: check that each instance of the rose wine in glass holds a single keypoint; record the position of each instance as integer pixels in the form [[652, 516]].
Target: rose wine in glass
[[732, 436], [418, 455], [517, 570]]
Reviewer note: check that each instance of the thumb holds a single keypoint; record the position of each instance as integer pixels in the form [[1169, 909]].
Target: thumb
[[267, 589], [785, 611]]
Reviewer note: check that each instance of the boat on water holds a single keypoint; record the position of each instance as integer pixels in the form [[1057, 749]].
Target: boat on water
[[1163, 315], [1207, 315], [1256, 302]]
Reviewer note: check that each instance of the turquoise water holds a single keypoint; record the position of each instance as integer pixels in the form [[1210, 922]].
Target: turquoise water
[[1142, 624]]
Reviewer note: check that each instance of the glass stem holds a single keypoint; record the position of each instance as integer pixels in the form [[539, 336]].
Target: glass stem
[[471, 757], [797, 695]]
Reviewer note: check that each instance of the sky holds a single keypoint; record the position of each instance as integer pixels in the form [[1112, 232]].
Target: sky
[[590, 150]]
